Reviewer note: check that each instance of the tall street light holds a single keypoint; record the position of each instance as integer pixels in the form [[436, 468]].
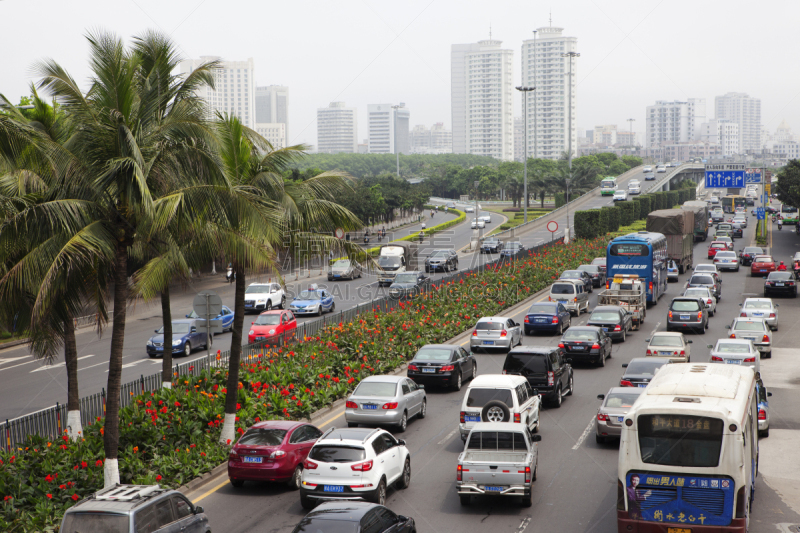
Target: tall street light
[[525, 90], [630, 121], [570, 55], [396, 148]]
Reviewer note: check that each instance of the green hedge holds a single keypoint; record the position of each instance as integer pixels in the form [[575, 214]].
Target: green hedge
[[626, 213], [658, 201], [645, 206], [673, 198], [428, 232], [636, 207], [612, 218], [692, 194], [560, 199], [589, 224]]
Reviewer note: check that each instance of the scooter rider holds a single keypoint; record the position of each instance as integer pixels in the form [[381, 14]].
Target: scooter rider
[[782, 267]]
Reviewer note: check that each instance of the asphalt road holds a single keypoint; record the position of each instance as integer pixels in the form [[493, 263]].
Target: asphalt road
[[576, 486]]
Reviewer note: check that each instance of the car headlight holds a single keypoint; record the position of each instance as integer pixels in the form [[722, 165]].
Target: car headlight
[[272, 332], [177, 342], [150, 342], [262, 301], [251, 332]]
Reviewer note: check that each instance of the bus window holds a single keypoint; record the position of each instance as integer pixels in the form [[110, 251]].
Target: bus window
[[623, 249], [680, 440]]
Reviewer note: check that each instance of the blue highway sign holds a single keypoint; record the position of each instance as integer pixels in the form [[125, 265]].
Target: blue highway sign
[[760, 214], [725, 178], [752, 176]]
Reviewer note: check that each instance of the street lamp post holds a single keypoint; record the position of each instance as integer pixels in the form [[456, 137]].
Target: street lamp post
[[524, 90], [570, 55], [630, 121], [396, 148]]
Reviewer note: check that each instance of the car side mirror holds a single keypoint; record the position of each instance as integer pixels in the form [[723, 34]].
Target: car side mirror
[[569, 361], [420, 386], [401, 442], [601, 396], [624, 365], [727, 327], [402, 518], [536, 438], [155, 330], [252, 323], [689, 341], [647, 340], [740, 305], [194, 329], [769, 394], [187, 316], [199, 509]]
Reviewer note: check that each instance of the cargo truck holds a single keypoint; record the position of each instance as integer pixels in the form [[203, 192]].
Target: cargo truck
[[701, 216], [677, 225], [626, 291], [395, 258]]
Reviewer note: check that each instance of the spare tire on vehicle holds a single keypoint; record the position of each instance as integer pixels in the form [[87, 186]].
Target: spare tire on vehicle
[[495, 411]]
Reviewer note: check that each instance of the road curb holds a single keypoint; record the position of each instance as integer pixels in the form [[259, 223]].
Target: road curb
[[13, 343]]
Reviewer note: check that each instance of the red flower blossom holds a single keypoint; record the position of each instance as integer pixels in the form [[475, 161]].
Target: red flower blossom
[[48, 478], [75, 497], [99, 462], [158, 477], [62, 487], [49, 496]]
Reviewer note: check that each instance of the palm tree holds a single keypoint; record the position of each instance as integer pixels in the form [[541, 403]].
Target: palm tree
[[575, 181]]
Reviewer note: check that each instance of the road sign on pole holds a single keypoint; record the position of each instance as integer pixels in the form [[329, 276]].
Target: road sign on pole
[[752, 175], [760, 213], [207, 304], [729, 176]]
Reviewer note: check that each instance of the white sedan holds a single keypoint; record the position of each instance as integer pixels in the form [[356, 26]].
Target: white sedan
[[486, 218], [478, 223], [670, 344], [705, 294], [761, 308], [469, 209], [620, 196]]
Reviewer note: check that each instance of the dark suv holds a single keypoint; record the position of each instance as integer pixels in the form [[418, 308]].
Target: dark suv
[[136, 508], [545, 368], [687, 312], [491, 245]]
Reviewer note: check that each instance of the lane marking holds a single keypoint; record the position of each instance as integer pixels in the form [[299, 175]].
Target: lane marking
[[585, 434], [12, 359], [523, 525], [211, 491], [57, 365], [448, 437]]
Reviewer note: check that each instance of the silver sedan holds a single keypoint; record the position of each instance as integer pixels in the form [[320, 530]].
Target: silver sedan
[[616, 404], [495, 332], [763, 308], [344, 269], [754, 329], [736, 352], [385, 400]]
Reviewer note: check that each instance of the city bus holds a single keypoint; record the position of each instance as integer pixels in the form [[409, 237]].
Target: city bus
[[732, 201], [608, 186], [688, 454], [644, 254], [789, 214]]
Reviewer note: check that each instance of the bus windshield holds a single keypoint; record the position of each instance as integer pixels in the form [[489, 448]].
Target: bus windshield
[[680, 440], [608, 184]]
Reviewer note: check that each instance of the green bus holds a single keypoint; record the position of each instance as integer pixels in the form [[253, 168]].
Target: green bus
[[608, 186]]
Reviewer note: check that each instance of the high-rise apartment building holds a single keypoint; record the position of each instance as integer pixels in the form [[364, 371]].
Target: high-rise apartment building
[[273, 132], [272, 107], [234, 91], [544, 68], [388, 129], [436, 140], [519, 139], [673, 122], [481, 88], [722, 132], [337, 129], [746, 112]]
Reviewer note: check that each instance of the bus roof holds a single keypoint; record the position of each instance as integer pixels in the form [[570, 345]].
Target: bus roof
[[640, 236]]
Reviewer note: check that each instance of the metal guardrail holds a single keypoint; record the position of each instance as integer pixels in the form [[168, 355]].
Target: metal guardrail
[[51, 422], [677, 170]]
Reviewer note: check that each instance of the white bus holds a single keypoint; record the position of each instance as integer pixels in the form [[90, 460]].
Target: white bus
[[608, 186], [688, 454]]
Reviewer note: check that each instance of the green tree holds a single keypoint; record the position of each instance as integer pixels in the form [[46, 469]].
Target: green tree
[[606, 158], [788, 186], [617, 168], [631, 161]]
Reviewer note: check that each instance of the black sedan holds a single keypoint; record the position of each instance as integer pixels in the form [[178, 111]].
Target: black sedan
[[640, 371], [586, 343], [613, 320], [598, 276], [511, 249], [442, 364], [747, 255], [780, 282], [443, 259], [588, 283], [491, 245], [340, 516]]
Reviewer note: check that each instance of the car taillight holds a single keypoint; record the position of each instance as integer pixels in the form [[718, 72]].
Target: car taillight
[[700, 315], [233, 456], [461, 417], [651, 287], [669, 315], [366, 466], [310, 465], [551, 378], [448, 368], [561, 345], [390, 405], [743, 314], [735, 261], [683, 352], [762, 414], [750, 360], [772, 315], [527, 474], [648, 352], [276, 454], [555, 320], [715, 358], [504, 333], [617, 328], [475, 333], [625, 383], [353, 405], [602, 418], [765, 338], [549, 299], [595, 346], [517, 418], [732, 336], [716, 260], [575, 299], [527, 321], [413, 367], [459, 468]]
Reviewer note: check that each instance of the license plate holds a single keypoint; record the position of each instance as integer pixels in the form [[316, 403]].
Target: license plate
[[252, 459], [684, 317], [605, 329], [540, 320], [475, 418], [371, 406], [758, 314], [620, 418], [248, 305], [779, 284], [579, 347], [333, 488], [664, 353], [259, 338], [642, 385], [492, 489], [678, 530], [337, 275], [428, 370], [488, 342], [733, 361]]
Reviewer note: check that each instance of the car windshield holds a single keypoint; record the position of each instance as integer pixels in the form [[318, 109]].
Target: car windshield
[[548, 309], [439, 253], [748, 326], [323, 523], [755, 304], [705, 268], [406, 278], [389, 261], [477, 397], [680, 440], [263, 437], [644, 368], [493, 326], [780, 276], [257, 289], [604, 316], [341, 263], [599, 261], [571, 274], [579, 335], [337, 454], [310, 295], [666, 340], [562, 288], [589, 268], [177, 327], [512, 246], [381, 389], [732, 347], [433, 354], [268, 320], [96, 523], [491, 242], [726, 255], [701, 280], [702, 293], [621, 399], [719, 245], [764, 259], [685, 305], [753, 250]]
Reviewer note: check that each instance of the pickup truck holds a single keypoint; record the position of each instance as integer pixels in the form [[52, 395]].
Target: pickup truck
[[628, 292], [499, 459]]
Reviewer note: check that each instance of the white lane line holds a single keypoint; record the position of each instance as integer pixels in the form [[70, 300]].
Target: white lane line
[[21, 364], [655, 329], [57, 365], [523, 525], [12, 359], [447, 438], [585, 434]]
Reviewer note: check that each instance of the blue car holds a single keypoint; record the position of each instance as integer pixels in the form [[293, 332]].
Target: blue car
[[547, 316], [226, 316], [313, 301], [186, 336]]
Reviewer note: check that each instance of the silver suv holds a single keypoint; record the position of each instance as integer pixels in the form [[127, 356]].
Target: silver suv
[[136, 509]]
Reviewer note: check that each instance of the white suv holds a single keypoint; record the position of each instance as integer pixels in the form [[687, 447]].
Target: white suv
[[499, 398], [354, 464], [263, 297]]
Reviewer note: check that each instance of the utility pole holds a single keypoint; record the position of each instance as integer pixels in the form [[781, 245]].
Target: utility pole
[[570, 55], [396, 148], [525, 90]]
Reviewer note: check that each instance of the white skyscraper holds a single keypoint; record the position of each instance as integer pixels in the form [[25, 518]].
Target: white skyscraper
[[722, 132], [671, 122], [274, 132], [544, 68], [481, 86], [272, 107], [337, 129], [384, 123], [746, 112], [235, 88]]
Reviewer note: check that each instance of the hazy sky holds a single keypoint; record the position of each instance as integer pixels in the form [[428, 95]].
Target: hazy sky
[[361, 52]]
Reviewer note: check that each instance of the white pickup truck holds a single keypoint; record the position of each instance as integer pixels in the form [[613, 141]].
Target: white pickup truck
[[499, 459], [626, 291]]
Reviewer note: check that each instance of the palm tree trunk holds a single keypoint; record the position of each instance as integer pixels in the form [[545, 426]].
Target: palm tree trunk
[[111, 428], [73, 398], [166, 364], [231, 397]]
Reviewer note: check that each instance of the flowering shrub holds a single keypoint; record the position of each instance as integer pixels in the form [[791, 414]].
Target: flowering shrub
[[170, 436]]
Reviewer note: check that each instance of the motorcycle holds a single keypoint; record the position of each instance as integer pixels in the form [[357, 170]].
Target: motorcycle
[[230, 277], [780, 225], [796, 269]]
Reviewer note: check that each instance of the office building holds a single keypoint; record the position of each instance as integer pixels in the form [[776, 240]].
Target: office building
[[274, 133], [388, 129], [337, 129], [746, 112], [519, 139], [673, 122], [272, 107], [436, 140], [721, 132], [544, 68], [234, 91], [605, 134], [481, 88]]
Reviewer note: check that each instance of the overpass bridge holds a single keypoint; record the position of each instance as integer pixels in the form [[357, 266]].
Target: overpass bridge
[[674, 176]]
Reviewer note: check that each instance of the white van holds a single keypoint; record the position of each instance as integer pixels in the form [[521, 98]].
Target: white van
[[499, 398], [572, 294]]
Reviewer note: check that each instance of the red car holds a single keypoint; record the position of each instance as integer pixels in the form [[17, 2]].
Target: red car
[[715, 247], [762, 264], [272, 326], [273, 450]]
